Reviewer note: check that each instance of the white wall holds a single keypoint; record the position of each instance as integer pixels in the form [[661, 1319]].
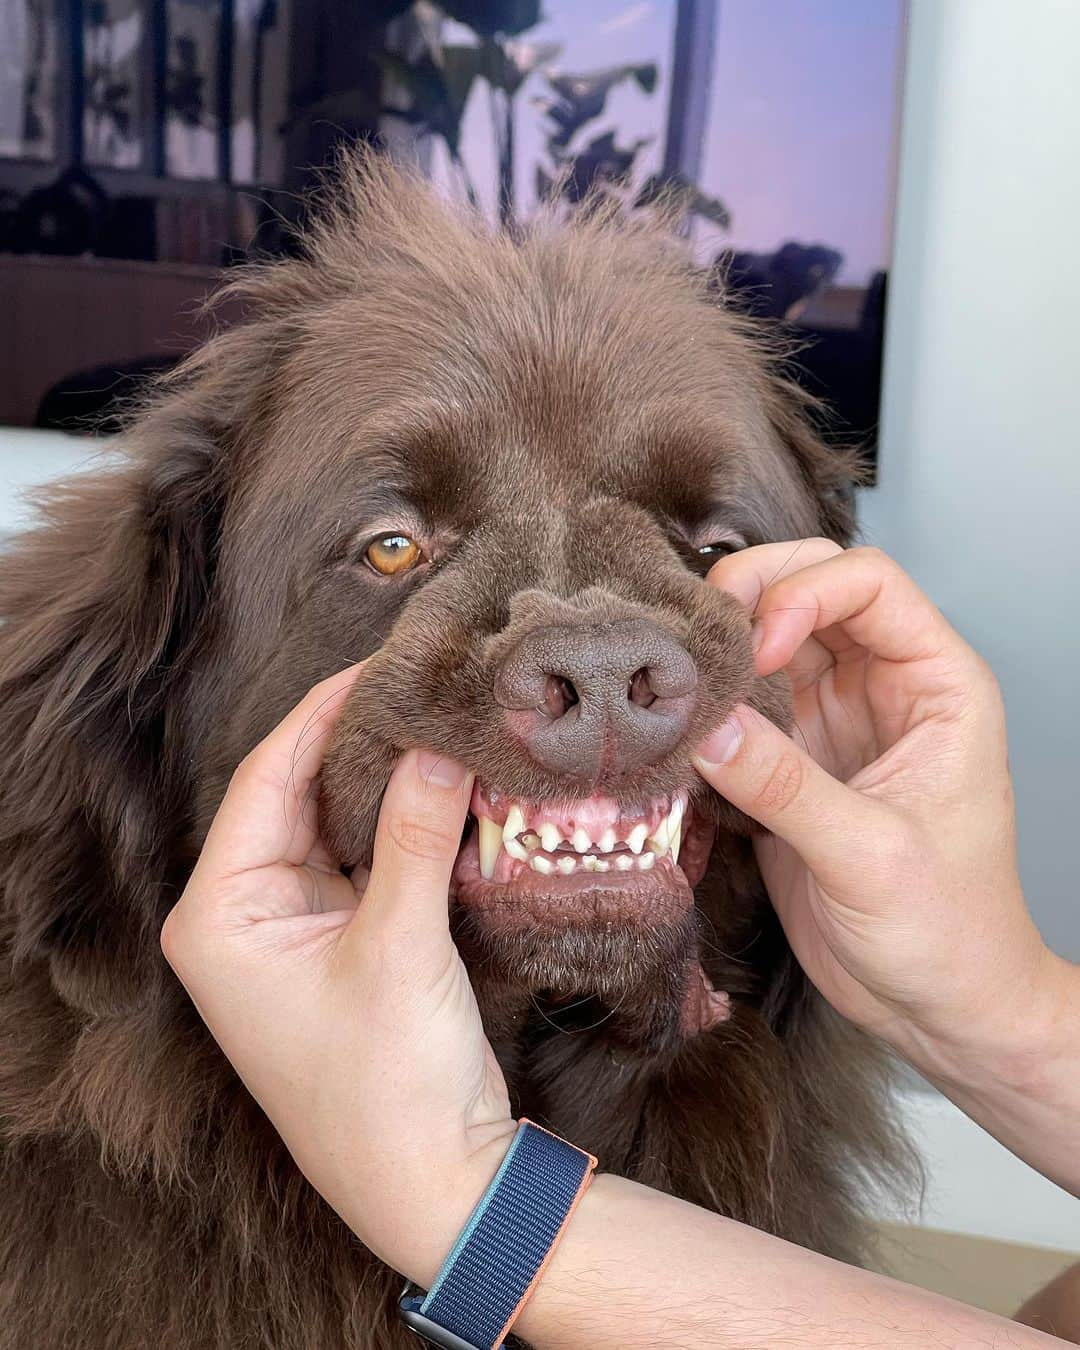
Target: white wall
[[979, 493]]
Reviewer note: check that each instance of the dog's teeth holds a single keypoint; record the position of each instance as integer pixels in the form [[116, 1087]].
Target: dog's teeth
[[490, 842], [540, 864], [636, 838], [580, 840], [624, 861], [566, 866], [515, 823], [675, 815], [606, 842], [646, 861], [550, 836], [531, 840], [676, 842], [515, 848], [602, 865], [659, 842], [589, 862]]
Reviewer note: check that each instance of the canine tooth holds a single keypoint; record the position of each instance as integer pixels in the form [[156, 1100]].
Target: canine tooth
[[566, 866], [624, 861], [675, 815], [676, 842], [540, 864], [490, 842], [515, 823], [589, 862], [580, 840], [660, 842], [515, 848], [606, 842], [646, 861], [636, 838], [550, 836]]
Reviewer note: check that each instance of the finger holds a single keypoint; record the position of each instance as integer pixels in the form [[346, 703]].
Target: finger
[[757, 768], [858, 602], [749, 573], [267, 814], [416, 845]]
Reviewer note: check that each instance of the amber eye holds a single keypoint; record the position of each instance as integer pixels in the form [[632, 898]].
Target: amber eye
[[393, 553]]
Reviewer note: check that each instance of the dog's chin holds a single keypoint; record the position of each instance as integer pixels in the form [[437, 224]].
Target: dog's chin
[[586, 903]]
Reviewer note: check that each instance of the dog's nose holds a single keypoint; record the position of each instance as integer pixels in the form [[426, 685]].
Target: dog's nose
[[600, 697]]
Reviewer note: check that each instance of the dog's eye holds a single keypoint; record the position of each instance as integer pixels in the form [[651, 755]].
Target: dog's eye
[[393, 553], [720, 548]]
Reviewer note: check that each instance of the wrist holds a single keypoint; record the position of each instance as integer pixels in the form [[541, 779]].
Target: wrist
[[1017, 1043], [455, 1193]]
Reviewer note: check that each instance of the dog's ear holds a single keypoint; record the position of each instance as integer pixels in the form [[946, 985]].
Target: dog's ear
[[101, 610], [831, 474]]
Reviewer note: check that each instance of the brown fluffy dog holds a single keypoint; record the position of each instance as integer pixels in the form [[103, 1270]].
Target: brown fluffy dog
[[543, 444]]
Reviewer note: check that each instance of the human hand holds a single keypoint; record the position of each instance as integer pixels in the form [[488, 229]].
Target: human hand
[[350, 1018], [892, 859]]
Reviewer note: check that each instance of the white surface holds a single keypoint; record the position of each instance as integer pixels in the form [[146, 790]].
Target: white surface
[[980, 458], [29, 458], [974, 1185]]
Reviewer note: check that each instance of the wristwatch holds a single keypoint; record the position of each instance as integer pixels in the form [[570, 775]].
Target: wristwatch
[[501, 1252]]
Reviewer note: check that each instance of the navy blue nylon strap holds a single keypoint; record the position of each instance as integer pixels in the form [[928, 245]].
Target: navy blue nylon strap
[[488, 1274]]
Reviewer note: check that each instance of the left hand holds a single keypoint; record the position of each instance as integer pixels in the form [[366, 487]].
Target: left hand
[[349, 1016]]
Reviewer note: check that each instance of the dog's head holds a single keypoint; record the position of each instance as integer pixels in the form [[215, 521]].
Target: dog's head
[[500, 469]]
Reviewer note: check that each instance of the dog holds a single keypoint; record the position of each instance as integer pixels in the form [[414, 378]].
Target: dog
[[499, 468]]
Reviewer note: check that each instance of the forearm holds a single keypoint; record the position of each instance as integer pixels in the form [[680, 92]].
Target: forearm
[[1019, 1076], [639, 1269]]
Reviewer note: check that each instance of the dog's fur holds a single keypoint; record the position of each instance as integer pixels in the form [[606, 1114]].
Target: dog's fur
[[556, 415]]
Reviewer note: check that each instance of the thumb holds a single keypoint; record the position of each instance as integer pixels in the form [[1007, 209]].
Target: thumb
[[759, 769], [416, 844]]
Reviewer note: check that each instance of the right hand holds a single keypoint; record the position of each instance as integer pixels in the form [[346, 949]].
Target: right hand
[[892, 858]]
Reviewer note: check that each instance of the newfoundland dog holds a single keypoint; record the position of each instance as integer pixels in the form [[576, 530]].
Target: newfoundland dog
[[499, 467]]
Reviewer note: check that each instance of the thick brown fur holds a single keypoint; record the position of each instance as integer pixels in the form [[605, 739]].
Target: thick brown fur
[[555, 415]]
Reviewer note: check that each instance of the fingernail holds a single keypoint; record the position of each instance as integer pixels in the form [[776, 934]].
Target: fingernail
[[438, 771], [722, 744]]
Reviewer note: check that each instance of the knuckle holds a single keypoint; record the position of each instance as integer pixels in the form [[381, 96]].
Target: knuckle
[[422, 839], [872, 556], [782, 784]]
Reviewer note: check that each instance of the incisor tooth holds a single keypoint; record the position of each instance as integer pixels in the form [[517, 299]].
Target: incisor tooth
[[515, 848], [539, 863], [589, 862], [624, 861], [531, 840], [490, 842], [580, 840], [567, 865], [636, 838], [646, 861], [515, 823], [550, 836], [606, 842], [602, 865]]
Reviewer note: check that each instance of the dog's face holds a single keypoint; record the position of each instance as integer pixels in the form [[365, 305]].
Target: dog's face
[[503, 471]]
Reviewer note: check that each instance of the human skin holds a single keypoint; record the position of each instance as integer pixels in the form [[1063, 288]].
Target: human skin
[[890, 861]]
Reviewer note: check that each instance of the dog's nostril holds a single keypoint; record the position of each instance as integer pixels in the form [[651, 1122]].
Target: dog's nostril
[[559, 696], [640, 690]]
